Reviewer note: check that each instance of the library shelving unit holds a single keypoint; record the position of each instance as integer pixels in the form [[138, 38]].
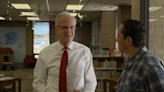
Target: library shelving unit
[[106, 67]]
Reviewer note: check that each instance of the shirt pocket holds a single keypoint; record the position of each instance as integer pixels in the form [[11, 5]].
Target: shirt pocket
[[77, 67], [73, 68]]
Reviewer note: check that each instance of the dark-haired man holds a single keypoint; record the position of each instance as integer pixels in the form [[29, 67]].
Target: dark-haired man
[[143, 72]]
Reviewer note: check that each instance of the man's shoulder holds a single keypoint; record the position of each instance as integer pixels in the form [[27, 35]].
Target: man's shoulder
[[50, 47], [150, 57], [79, 45], [151, 60]]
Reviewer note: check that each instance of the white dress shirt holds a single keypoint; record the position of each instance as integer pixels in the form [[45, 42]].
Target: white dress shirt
[[80, 73]]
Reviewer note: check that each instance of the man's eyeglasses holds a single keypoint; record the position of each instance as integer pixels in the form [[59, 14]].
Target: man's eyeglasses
[[65, 27]]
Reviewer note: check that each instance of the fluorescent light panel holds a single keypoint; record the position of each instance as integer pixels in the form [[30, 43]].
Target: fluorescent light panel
[[73, 14], [2, 18], [28, 14], [151, 20], [74, 7], [32, 18], [154, 8], [112, 8], [21, 6]]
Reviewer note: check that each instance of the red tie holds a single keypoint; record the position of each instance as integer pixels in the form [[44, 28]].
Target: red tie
[[63, 77]]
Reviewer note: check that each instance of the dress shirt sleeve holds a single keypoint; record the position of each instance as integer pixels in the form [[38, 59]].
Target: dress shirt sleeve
[[40, 71], [90, 78], [155, 78]]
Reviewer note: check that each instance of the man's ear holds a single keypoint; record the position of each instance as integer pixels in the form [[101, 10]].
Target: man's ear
[[129, 40], [56, 29], [75, 27]]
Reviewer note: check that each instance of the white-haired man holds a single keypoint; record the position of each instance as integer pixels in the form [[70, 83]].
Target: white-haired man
[[78, 73]]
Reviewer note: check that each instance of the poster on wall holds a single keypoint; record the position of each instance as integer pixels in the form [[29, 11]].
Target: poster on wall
[[14, 38]]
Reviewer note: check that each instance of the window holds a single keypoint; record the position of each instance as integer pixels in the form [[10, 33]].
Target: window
[[41, 37], [6, 59]]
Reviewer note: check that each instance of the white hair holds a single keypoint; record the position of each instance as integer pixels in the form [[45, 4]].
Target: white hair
[[63, 13]]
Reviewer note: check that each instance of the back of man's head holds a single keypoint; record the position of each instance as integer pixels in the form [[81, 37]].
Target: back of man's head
[[135, 30]]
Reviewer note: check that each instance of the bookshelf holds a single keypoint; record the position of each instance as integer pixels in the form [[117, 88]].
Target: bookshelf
[[106, 67]]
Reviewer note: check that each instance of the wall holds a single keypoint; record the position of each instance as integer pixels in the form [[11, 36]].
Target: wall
[[124, 13], [29, 36], [136, 9], [156, 33], [108, 25], [29, 33], [86, 33], [52, 32]]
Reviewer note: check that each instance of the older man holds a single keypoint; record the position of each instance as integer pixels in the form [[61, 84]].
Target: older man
[[64, 66]]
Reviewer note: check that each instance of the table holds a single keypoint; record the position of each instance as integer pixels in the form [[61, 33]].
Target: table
[[4, 80], [112, 81]]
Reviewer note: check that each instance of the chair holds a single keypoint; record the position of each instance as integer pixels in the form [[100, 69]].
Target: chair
[[9, 82], [29, 59], [113, 83]]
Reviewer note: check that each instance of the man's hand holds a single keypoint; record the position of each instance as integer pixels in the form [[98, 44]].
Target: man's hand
[[76, 90]]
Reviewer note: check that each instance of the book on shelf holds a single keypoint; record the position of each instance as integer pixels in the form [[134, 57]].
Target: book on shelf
[[100, 85], [106, 53], [105, 64], [106, 73], [100, 53]]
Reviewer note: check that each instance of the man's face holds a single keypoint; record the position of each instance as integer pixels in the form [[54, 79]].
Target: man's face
[[120, 39], [65, 29]]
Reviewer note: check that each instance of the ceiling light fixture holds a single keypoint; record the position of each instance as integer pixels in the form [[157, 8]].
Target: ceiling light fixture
[[73, 14], [10, 19], [80, 16], [21, 6], [113, 8], [2, 18], [74, 7], [153, 8], [27, 14], [7, 11], [33, 18]]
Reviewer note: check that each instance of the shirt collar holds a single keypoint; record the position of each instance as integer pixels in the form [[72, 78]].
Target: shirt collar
[[137, 55], [60, 46]]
